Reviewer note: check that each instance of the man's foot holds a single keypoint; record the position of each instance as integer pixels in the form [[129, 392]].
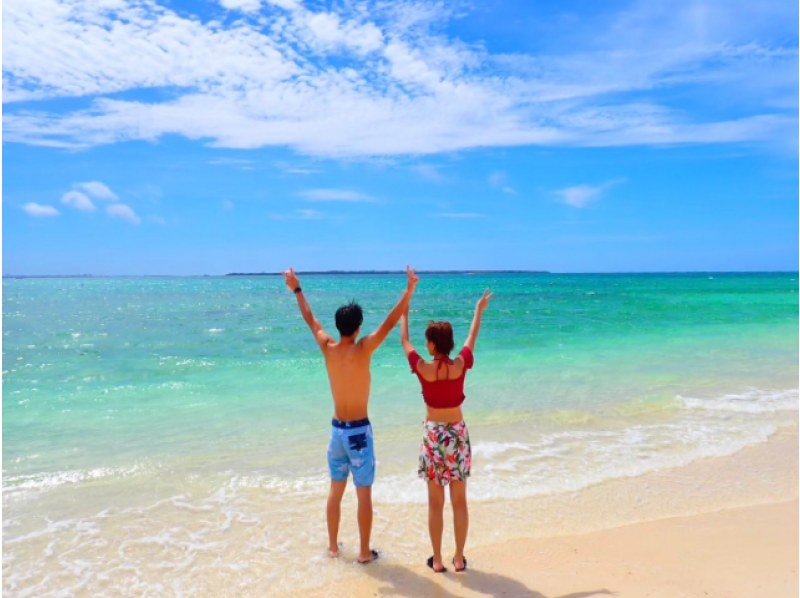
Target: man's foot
[[460, 566], [373, 556], [334, 552], [437, 567]]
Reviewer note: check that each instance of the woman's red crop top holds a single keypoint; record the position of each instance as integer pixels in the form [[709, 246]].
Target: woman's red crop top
[[443, 394]]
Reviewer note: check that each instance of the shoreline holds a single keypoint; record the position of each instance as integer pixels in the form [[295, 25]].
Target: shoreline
[[721, 526]]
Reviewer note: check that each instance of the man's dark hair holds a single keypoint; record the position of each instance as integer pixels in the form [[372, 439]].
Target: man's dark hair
[[349, 318]]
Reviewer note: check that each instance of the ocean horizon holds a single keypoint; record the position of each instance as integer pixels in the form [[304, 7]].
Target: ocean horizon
[[402, 271]]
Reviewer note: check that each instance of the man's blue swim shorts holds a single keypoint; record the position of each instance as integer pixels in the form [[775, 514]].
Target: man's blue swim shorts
[[352, 447]]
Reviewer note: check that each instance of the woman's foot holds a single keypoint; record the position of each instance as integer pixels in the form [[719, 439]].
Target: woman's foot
[[460, 563], [372, 556], [437, 566]]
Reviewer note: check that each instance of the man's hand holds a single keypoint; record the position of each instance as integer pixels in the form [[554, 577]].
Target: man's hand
[[413, 279], [291, 279]]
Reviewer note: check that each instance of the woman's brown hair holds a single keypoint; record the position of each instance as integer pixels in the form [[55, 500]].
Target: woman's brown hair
[[441, 335]]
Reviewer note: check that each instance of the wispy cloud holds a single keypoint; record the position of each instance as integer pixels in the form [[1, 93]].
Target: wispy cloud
[[306, 214], [240, 162], [429, 173], [39, 211], [499, 180], [290, 168], [343, 195], [124, 212], [301, 214], [78, 200], [380, 79], [580, 196], [97, 190]]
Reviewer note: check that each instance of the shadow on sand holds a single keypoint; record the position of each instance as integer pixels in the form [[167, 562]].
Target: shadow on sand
[[494, 584], [401, 581], [404, 582]]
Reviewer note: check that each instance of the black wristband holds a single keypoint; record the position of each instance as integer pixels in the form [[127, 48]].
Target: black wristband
[[298, 290]]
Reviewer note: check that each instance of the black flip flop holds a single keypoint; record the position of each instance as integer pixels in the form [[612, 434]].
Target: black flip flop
[[460, 569], [430, 564], [375, 557]]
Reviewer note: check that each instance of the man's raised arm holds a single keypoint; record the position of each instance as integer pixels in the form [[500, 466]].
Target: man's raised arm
[[373, 340], [293, 283]]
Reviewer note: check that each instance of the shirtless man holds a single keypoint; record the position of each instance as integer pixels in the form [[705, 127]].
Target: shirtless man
[[351, 446]]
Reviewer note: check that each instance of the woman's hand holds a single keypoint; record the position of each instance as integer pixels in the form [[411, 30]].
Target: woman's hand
[[483, 302]]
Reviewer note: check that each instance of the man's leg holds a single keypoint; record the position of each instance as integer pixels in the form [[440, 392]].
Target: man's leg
[[458, 498], [436, 521], [364, 494], [334, 513]]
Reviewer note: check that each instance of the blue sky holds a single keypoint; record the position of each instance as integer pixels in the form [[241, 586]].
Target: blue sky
[[216, 136]]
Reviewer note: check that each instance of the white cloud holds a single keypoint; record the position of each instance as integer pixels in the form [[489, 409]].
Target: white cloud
[[381, 79], [286, 4], [78, 200], [580, 196], [328, 32], [335, 195], [97, 190], [39, 211], [242, 5], [120, 210]]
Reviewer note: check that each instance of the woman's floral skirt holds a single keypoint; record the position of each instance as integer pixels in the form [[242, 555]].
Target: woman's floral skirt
[[445, 454]]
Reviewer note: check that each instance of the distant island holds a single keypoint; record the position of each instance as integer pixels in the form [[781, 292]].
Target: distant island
[[338, 272]]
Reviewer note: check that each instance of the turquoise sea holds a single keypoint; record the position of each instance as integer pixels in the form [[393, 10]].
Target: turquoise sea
[[159, 433]]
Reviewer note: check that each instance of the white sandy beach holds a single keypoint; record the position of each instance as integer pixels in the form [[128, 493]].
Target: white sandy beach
[[724, 527]]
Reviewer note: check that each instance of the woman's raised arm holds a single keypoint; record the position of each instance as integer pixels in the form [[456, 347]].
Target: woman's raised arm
[[482, 304]]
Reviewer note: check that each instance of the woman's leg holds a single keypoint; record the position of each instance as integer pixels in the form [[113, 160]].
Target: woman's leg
[[458, 498], [436, 521]]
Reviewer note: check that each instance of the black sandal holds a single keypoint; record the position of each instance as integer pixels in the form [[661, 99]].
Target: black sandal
[[430, 564]]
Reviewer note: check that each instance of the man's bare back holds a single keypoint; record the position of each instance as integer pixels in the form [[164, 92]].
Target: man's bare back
[[348, 364]]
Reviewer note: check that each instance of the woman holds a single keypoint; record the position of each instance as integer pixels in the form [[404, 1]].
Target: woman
[[445, 455]]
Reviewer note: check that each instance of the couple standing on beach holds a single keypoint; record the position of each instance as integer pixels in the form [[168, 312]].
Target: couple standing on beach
[[445, 454]]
